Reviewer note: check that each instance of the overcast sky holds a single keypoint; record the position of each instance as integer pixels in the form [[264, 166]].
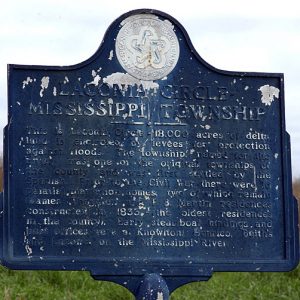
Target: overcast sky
[[232, 35]]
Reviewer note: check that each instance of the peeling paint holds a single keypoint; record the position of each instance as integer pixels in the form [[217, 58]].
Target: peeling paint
[[207, 127], [44, 85], [54, 91], [111, 55], [26, 82], [160, 296], [96, 79], [123, 80], [28, 250], [268, 93]]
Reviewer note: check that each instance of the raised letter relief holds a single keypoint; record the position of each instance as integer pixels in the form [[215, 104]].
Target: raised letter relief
[[147, 48]]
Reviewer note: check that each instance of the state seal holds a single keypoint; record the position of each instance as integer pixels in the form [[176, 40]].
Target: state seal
[[147, 47]]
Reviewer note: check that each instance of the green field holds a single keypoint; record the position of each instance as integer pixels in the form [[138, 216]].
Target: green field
[[39, 285]]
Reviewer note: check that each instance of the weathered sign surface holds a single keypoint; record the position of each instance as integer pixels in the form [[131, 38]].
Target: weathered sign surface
[[146, 159]]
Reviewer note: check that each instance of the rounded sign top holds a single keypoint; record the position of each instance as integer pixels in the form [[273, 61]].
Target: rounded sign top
[[147, 47]]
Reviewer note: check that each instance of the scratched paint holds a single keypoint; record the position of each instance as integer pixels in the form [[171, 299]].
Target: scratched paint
[[268, 93], [111, 55], [44, 85], [28, 249], [96, 78], [26, 82], [160, 296], [125, 80]]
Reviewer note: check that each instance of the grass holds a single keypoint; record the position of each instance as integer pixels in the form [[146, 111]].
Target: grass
[[42, 285], [244, 286]]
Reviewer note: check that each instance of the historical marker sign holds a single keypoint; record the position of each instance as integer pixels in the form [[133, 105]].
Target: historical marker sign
[[145, 159]]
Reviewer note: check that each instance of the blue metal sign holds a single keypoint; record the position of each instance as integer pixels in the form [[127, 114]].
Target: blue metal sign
[[145, 160]]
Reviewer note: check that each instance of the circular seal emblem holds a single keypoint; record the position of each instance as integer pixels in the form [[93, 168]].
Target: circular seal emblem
[[147, 47]]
